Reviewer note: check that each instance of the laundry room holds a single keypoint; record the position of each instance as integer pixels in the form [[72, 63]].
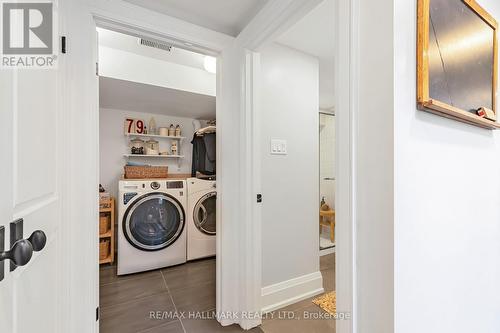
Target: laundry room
[[158, 197]]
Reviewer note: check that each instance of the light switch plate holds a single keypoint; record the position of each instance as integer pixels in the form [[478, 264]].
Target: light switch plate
[[278, 147]]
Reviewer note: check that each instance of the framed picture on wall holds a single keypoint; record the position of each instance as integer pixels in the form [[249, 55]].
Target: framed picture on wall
[[457, 61]]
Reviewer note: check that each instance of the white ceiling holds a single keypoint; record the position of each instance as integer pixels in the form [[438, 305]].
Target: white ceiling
[[226, 16], [315, 34], [133, 96]]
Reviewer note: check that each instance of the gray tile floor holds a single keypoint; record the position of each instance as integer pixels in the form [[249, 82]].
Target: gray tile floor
[[141, 303]]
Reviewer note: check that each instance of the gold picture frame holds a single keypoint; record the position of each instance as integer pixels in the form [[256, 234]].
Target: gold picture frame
[[425, 99]]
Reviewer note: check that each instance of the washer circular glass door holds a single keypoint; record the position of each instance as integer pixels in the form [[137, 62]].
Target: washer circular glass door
[[204, 213], [153, 222]]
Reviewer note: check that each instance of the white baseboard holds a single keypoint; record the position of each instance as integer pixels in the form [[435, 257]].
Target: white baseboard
[[291, 291]]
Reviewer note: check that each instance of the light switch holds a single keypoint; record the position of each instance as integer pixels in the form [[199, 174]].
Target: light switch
[[278, 147]]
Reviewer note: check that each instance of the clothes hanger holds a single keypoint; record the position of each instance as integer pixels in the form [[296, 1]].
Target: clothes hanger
[[206, 130]]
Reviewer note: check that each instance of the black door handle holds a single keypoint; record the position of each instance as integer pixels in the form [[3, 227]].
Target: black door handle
[[38, 240], [20, 253], [21, 249]]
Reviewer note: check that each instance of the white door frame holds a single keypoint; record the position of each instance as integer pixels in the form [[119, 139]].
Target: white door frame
[[274, 19], [124, 17]]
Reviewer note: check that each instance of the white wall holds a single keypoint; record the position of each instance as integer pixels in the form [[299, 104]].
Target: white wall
[[290, 186], [447, 207], [374, 137], [113, 144], [129, 66]]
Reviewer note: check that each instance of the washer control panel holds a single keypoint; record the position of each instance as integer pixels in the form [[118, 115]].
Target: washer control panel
[[128, 196]]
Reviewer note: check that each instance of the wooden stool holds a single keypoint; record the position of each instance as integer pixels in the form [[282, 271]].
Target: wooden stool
[[327, 218]]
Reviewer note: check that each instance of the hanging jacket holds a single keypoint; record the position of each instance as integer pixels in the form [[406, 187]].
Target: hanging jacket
[[204, 154], [210, 147]]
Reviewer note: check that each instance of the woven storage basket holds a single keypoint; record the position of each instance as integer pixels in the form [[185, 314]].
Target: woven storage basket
[[103, 224], [103, 249], [105, 204], [145, 172]]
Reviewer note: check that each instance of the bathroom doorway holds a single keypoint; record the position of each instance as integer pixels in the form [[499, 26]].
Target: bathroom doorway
[[327, 181]]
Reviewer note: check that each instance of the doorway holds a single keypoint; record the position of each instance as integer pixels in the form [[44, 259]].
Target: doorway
[[297, 85], [327, 182], [158, 189]]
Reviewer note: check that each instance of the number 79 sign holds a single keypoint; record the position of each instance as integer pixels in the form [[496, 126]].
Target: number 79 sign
[[133, 126]]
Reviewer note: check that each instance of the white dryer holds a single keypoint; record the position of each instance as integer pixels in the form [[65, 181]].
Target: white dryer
[[151, 230], [202, 199]]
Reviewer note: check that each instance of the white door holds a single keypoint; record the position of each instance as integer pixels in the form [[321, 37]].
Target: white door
[[32, 297], [30, 154]]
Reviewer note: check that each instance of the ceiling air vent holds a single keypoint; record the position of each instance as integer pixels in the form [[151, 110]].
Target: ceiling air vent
[[156, 45]]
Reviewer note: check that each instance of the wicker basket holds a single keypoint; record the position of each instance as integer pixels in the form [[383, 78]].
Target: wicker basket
[[105, 204], [103, 224], [145, 172], [103, 249]]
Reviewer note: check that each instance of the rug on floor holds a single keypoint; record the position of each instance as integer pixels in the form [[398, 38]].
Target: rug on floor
[[325, 242], [327, 302]]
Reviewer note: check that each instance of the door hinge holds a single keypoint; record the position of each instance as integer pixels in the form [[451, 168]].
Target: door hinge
[[97, 68], [259, 198], [63, 44], [97, 314]]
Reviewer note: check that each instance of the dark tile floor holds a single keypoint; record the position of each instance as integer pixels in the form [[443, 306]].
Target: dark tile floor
[[141, 303]]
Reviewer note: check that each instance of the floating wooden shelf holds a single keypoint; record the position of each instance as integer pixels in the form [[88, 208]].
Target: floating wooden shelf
[[155, 136], [154, 156]]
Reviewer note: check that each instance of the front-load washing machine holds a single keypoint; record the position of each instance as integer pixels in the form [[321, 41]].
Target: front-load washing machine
[[151, 231], [202, 198]]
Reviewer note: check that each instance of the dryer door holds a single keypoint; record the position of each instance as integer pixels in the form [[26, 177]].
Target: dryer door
[[153, 222], [204, 213]]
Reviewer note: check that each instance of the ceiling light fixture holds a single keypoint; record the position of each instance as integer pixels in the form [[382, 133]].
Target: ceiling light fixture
[[210, 64]]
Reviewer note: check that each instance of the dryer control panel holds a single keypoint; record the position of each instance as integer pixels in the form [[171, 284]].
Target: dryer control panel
[[175, 184]]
